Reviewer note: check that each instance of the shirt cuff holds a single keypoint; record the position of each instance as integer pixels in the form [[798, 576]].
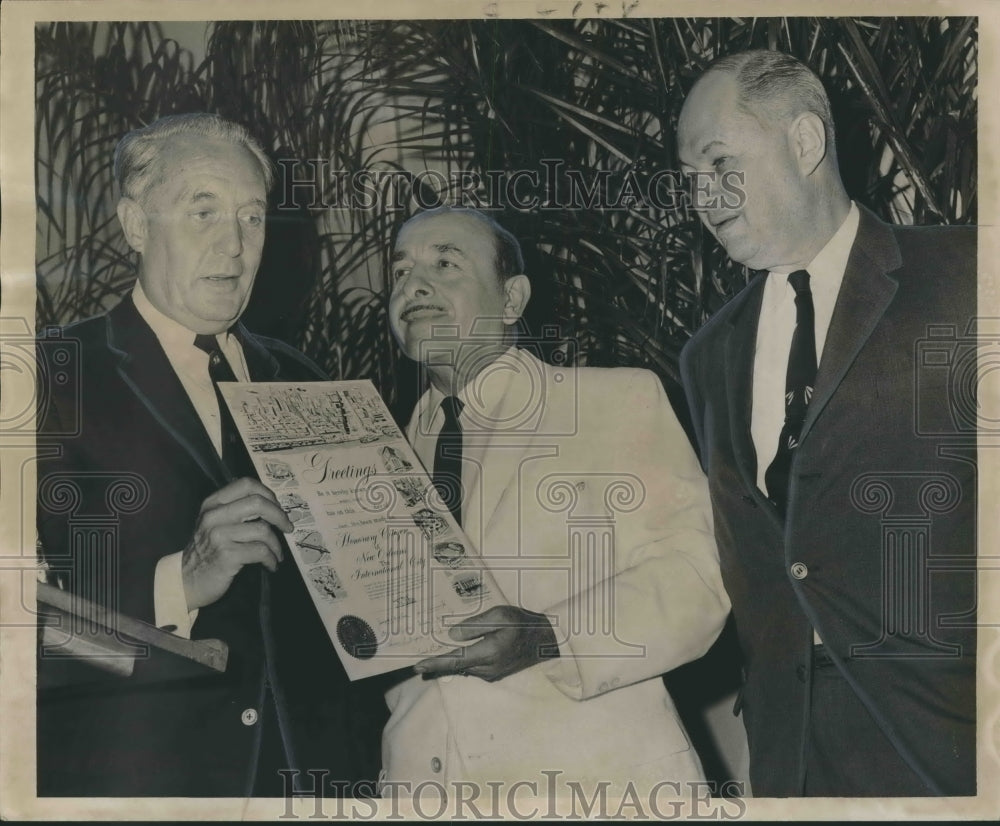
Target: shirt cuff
[[169, 603]]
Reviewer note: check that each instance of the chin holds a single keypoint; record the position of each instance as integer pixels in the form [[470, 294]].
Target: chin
[[748, 258], [227, 312]]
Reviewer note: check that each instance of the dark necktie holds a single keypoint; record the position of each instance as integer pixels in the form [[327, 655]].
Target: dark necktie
[[799, 382], [448, 457], [234, 454], [250, 587]]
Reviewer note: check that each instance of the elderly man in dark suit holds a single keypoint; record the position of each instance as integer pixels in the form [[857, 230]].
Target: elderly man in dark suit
[[197, 544], [846, 533]]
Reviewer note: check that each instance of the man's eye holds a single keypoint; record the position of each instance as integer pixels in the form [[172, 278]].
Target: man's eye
[[203, 215], [400, 272], [444, 263], [254, 220], [720, 162]]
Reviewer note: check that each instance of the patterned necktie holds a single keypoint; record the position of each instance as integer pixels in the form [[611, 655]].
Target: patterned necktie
[[799, 382], [234, 454], [448, 457]]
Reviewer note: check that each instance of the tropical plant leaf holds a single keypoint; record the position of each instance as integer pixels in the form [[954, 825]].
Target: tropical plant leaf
[[624, 283]]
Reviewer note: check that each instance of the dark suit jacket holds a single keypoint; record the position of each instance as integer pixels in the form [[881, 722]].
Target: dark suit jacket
[[125, 464], [884, 477]]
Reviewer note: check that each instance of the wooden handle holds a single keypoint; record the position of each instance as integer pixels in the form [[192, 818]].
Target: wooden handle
[[213, 654]]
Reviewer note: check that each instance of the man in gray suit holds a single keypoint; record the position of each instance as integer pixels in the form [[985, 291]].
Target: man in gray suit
[[842, 487]]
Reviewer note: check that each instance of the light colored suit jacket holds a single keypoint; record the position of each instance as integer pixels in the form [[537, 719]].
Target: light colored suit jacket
[[590, 506]]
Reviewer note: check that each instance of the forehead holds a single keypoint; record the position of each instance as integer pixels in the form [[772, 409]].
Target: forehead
[[190, 162], [466, 234], [712, 115]]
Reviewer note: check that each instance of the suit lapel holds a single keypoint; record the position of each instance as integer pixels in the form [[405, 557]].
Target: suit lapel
[[865, 293], [261, 365], [740, 348], [145, 369]]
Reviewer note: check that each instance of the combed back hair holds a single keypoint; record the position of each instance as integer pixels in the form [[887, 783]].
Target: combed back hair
[[509, 260], [137, 156], [780, 84]]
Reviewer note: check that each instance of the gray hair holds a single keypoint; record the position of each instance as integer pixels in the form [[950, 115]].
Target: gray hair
[[137, 155], [778, 83]]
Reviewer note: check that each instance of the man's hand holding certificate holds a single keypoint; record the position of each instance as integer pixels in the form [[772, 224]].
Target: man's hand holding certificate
[[384, 561], [510, 639]]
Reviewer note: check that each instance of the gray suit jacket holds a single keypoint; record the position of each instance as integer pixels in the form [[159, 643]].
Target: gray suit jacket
[[878, 547]]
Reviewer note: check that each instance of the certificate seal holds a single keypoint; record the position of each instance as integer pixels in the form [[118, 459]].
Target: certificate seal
[[357, 637]]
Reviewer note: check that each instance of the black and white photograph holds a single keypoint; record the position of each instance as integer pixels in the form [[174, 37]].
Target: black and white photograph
[[692, 322]]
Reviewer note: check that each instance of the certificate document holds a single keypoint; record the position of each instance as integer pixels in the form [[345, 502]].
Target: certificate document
[[383, 559]]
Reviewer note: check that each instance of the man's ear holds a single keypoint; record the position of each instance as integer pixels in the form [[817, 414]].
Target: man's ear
[[808, 137], [133, 220], [517, 291]]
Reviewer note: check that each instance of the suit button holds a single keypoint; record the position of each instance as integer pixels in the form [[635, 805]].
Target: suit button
[[800, 672], [435, 764], [799, 570], [249, 716]]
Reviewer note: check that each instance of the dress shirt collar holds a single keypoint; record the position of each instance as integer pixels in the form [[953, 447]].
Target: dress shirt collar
[[482, 396]]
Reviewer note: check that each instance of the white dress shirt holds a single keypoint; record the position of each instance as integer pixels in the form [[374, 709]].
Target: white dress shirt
[[774, 336], [191, 366]]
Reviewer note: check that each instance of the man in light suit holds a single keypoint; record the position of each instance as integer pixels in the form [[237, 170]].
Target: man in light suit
[[843, 489], [581, 492], [196, 546]]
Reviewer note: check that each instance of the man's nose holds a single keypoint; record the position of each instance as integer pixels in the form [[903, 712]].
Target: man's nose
[[229, 237], [418, 284]]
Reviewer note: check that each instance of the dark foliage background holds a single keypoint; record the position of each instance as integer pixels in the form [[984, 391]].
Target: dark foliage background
[[626, 286]]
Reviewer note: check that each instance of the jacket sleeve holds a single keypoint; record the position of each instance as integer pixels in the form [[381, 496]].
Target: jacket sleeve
[[666, 595]]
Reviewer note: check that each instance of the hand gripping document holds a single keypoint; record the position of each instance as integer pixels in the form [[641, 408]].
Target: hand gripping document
[[387, 567]]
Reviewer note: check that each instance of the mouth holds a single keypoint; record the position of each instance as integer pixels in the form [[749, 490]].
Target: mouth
[[222, 283], [415, 312]]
